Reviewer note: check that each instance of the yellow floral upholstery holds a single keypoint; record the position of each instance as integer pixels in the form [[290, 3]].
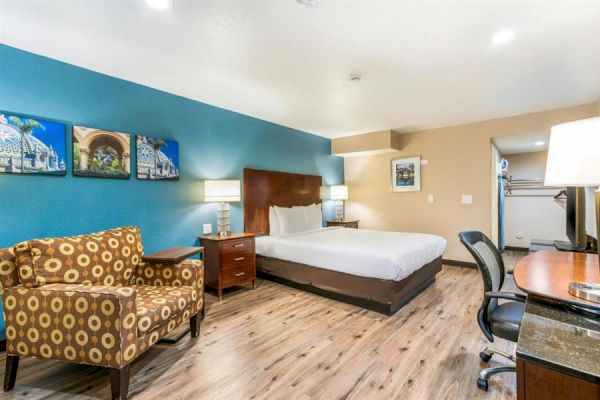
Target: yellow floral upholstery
[[106, 258], [186, 273], [156, 305], [86, 324], [8, 269], [89, 299]]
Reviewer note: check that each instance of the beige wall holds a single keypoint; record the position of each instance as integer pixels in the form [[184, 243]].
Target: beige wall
[[459, 160], [494, 174], [527, 216], [527, 165]]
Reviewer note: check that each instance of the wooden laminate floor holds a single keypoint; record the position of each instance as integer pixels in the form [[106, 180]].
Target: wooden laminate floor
[[280, 343]]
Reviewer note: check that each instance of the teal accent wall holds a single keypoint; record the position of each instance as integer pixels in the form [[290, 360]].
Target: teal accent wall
[[214, 143]]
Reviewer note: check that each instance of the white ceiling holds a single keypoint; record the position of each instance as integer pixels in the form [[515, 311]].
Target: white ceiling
[[424, 64], [522, 143]]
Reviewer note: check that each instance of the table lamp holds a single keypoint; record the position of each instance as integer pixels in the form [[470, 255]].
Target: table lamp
[[574, 160], [339, 193], [222, 192]]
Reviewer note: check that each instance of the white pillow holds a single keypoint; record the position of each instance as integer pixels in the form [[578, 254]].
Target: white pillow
[[291, 220], [274, 224], [313, 216]]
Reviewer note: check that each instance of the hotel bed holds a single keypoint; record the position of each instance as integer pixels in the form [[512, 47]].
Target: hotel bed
[[377, 270]]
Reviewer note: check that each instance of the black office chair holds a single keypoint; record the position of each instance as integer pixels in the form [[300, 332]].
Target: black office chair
[[501, 320]]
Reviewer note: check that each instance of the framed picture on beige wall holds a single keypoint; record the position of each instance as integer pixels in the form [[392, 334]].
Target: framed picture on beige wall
[[406, 174]]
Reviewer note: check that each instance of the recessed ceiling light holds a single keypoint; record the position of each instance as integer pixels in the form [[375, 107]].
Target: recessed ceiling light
[[503, 36], [540, 143], [159, 4]]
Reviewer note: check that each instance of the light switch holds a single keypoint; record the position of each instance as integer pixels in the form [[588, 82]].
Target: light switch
[[467, 199], [424, 162], [430, 198], [206, 228]]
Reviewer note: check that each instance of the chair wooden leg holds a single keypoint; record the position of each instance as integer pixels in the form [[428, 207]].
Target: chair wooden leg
[[10, 372], [195, 324], [119, 382]]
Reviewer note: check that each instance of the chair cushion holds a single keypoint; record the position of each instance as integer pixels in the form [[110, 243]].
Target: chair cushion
[[505, 320], [104, 258], [157, 305]]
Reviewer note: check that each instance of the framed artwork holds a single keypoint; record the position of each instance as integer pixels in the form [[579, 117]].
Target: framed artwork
[[100, 153], [30, 145], [157, 159], [406, 174]]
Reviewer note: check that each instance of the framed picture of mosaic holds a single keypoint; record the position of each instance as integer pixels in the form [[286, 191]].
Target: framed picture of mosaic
[[30, 145], [157, 159], [100, 153]]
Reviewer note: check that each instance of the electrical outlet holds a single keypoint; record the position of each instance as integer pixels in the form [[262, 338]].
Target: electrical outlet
[[207, 228], [467, 199]]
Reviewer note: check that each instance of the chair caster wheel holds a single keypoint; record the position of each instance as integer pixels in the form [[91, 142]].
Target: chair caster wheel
[[482, 384], [485, 357]]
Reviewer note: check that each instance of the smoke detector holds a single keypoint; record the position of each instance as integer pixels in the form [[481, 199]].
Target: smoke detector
[[354, 76], [308, 3]]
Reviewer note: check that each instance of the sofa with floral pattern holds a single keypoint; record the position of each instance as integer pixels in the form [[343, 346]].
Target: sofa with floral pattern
[[90, 299]]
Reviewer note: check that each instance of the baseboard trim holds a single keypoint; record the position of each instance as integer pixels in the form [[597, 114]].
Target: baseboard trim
[[456, 263], [516, 248]]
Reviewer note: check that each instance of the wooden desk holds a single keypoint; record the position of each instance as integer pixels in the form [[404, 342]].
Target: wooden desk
[[547, 274], [558, 352]]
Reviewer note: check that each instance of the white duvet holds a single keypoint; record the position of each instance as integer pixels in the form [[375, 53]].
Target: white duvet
[[362, 252]]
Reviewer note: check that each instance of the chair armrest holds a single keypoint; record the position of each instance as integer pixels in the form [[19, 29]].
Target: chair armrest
[[185, 273], [506, 295], [96, 325]]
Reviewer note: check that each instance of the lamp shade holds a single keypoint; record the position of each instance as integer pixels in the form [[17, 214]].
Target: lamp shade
[[216, 191], [574, 154], [338, 192]]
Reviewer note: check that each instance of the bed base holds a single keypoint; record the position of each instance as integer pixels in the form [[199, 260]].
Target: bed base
[[380, 295]]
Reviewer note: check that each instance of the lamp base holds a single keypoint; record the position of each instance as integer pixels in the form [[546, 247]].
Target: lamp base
[[585, 290], [223, 219], [597, 195], [339, 210]]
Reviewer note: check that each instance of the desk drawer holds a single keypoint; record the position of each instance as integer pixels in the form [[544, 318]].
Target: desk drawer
[[234, 276], [235, 259], [237, 245]]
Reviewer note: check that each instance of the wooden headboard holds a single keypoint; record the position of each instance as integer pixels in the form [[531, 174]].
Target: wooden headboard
[[263, 189]]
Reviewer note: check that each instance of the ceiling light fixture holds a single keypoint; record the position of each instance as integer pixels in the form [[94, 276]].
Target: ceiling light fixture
[[159, 4], [503, 36], [540, 143]]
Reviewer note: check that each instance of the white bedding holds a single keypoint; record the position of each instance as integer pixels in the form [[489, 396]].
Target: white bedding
[[362, 252]]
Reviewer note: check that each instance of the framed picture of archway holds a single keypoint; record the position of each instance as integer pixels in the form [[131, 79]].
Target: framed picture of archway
[[101, 153], [406, 174]]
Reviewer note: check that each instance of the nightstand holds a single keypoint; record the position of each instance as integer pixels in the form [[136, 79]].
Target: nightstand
[[345, 223], [228, 260]]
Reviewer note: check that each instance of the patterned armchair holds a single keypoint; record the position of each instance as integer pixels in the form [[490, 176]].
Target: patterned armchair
[[90, 299]]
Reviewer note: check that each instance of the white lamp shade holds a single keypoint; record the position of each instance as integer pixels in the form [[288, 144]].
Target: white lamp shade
[[216, 191], [338, 192], [574, 154]]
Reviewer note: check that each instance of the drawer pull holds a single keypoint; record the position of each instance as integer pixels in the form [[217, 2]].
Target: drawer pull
[[239, 245], [240, 274], [239, 258]]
